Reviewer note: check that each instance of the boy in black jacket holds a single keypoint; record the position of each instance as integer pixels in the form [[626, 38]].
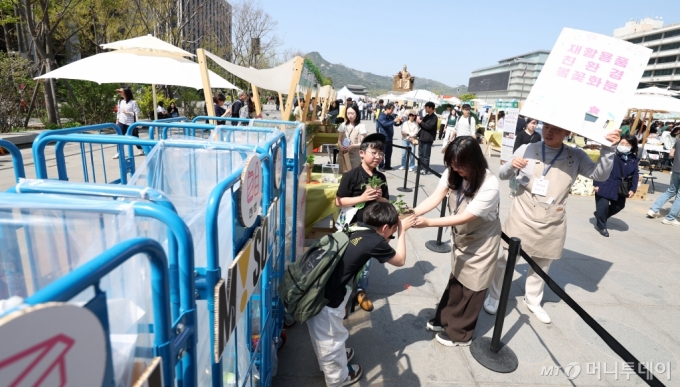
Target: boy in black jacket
[[326, 330]]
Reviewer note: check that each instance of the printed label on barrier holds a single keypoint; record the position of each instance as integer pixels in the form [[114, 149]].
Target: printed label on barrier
[[278, 167], [250, 194], [52, 344], [243, 277], [272, 223], [152, 375]]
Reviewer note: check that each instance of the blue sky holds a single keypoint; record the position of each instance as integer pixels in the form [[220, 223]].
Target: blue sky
[[443, 40]]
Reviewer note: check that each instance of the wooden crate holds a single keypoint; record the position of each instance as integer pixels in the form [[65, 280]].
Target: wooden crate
[[641, 193]]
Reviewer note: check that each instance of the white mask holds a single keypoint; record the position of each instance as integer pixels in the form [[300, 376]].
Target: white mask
[[623, 148]]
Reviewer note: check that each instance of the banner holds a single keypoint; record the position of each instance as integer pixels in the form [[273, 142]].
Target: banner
[[509, 126], [585, 84]]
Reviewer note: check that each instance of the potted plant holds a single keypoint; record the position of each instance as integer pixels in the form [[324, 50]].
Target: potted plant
[[402, 208], [375, 183], [310, 164]]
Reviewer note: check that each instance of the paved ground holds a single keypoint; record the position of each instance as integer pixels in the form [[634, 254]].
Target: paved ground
[[629, 282]]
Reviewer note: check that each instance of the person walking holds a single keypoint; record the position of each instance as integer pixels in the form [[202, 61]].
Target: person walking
[[474, 196], [378, 109], [465, 125], [362, 106], [239, 109], [385, 125], [409, 134], [611, 194], [444, 121], [126, 114], [673, 191], [426, 137], [545, 171], [528, 135], [350, 135], [449, 134]]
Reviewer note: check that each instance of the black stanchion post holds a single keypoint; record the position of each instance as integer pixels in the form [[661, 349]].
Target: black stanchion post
[[489, 352], [415, 194], [404, 189], [437, 245]]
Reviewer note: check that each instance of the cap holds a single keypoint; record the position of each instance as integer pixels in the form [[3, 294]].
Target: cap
[[374, 137], [412, 112]]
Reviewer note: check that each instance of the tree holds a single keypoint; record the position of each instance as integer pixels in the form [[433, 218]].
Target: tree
[[254, 42], [15, 80], [467, 97]]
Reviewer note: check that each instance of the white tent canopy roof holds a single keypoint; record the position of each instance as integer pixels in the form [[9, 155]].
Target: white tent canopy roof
[[344, 93], [147, 45], [655, 102], [422, 96], [657, 91], [277, 78], [127, 67]]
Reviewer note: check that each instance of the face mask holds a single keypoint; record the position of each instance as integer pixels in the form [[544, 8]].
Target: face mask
[[623, 149]]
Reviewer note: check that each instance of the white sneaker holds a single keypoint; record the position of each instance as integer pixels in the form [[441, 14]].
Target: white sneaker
[[539, 312], [411, 169], [400, 169], [652, 214], [115, 156], [490, 305], [140, 152], [673, 222]]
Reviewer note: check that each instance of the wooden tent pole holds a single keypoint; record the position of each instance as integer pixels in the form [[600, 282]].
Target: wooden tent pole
[[297, 73], [207, 92], [649, 127], [635, 123], [256, 96]]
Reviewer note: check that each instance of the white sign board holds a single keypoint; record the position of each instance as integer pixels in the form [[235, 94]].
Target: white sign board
[[510, 123], [52, 344], [585, 84], [250, 194]]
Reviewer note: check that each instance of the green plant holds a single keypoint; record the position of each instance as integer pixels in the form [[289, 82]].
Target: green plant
[[145, 101], [310, 159], [93, 103], [16, 84], [374, 182], [401, 206], [467, 97]]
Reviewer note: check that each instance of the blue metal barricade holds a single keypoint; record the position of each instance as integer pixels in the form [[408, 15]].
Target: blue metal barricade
[[17, 159], [174, 330]]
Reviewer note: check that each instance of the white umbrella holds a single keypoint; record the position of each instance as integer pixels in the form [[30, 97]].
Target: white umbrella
[[657, 91], [654, 102], [451, 100], [156, 62]]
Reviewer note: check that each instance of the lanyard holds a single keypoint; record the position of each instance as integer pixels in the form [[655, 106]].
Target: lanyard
[[548, 166]]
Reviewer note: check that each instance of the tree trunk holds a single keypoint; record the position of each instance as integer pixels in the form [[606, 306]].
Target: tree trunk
[[50, 97], [6, 31]]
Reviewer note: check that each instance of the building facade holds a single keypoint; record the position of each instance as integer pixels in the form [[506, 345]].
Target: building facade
[[205, 24], [663, 69], [511, 78]]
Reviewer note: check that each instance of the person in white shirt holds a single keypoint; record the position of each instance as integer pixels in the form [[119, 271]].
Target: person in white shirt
[[162, 113], [465, 126], [297, 112], [350, 135], [474, 197], [127, 114], [409, 134], [361, 106]]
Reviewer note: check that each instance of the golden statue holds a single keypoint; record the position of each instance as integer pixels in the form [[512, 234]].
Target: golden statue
[[403, 81]]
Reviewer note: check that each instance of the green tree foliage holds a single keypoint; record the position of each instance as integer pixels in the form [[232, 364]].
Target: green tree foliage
[[15, 83], [93, 103], [467, 97], [323, 81], [145, 101]]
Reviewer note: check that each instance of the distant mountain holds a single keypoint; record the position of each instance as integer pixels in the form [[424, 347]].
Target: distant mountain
[[374, 84]]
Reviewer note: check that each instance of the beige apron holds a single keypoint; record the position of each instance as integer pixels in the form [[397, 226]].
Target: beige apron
[[542, 227], [474, 247], [352, 133]]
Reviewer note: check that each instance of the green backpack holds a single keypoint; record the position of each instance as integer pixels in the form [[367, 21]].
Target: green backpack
[[304, 281]]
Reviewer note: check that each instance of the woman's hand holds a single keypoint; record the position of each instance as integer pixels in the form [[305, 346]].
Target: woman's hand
[[630, 194], [421, 222], [371, 194], [596, 189], [614, 136], [519, 163]]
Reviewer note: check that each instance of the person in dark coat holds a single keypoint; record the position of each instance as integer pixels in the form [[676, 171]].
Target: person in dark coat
[[385, 125], [426, 136], [608, 202]]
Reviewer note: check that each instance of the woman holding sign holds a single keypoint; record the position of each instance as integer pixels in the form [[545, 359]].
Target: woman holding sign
[[545, 172], [351, 133]]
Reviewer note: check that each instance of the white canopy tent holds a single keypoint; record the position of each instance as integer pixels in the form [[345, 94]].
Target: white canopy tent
[[391, 97], [657, 91], [144, 59], [451, 100], [344, 93], [654, 102], [276, 78], [421, 95]]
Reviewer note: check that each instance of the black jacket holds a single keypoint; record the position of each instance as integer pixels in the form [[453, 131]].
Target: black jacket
[[428, 128]]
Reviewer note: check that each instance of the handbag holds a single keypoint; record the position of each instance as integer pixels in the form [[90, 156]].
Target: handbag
[[626, 182]]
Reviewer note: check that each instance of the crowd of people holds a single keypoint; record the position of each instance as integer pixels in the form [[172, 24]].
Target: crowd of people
[[542, 170]]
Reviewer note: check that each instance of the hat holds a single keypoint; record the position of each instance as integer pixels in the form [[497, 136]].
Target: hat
[[412, 112], [374, 137]]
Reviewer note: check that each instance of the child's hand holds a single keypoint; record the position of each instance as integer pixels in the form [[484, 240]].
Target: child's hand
[[371, 194], [407, 222]]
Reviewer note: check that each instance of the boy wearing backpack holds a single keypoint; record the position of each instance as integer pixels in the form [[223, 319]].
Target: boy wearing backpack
[[355, 192], [328, 334]]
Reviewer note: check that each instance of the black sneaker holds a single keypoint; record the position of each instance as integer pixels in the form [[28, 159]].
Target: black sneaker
[[445, 340], [432, 326], [350, 353], [354, 375]]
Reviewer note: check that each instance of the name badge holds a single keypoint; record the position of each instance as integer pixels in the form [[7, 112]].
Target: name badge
[[540, 187], [346, 142]]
